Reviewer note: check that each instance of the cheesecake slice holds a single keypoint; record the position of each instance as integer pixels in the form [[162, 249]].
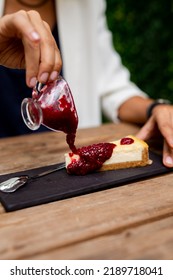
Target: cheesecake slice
[[123, 153]]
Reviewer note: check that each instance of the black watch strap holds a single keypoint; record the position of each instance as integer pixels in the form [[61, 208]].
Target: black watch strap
[[154, 104]]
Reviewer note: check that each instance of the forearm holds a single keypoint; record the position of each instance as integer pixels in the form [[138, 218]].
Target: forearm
[[134, 110]]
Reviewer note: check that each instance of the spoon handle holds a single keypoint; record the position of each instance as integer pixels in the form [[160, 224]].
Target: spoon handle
[[11, 185], [61, 166]]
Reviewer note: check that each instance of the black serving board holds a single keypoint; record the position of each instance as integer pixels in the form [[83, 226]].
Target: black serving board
[[60, 185]]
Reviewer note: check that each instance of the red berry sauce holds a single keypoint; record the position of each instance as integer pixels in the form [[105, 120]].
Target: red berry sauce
[[126, 141], [59, 114], [91, 158], [65, 120]]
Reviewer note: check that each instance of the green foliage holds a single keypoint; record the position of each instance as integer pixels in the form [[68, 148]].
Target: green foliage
[[143, 36]]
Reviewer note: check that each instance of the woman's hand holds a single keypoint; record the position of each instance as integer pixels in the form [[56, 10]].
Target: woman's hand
[[161, 121], [26, 41]]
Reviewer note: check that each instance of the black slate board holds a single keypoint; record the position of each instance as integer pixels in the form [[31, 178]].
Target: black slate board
[[60, 185]]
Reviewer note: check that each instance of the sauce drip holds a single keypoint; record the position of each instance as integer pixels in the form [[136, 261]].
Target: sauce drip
[[65, 120]]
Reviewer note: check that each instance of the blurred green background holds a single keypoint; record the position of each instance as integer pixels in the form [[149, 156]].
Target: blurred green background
[[142, 35]]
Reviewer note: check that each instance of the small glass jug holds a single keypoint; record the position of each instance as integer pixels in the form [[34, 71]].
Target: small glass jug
[[52, 106]]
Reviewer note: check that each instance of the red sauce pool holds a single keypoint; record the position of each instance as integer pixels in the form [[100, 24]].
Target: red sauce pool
[[91, 158]]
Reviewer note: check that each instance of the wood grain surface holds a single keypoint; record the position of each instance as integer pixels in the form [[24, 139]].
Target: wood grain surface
[[133, 221]]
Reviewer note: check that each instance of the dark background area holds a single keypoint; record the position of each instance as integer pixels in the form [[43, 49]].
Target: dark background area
[[142, 35]]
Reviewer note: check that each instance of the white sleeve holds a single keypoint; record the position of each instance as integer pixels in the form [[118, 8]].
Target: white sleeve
[[114, 84]]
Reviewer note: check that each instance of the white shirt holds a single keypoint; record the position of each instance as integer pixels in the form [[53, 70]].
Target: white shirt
[[91, 66]]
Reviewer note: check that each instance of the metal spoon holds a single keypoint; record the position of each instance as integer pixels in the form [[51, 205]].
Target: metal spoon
[[11, 185]]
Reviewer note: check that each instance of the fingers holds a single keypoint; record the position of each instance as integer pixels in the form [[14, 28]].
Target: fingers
[[43, 62], [32, 56], [18, 25], [13, 28], [165, 124], [167, 155], [50, 60], [42, 57], [162, 121], [146, 132], [163, 115]]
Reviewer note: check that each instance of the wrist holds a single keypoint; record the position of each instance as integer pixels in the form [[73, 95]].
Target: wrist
[[154, 104]]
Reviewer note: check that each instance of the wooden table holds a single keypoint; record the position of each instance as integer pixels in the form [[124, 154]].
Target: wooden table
[[133, 221]]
